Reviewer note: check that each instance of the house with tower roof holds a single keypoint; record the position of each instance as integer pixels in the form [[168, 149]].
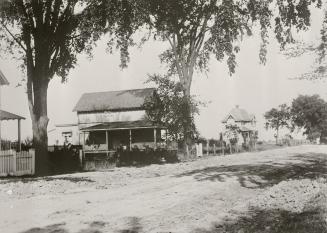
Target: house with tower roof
[[244, 122]]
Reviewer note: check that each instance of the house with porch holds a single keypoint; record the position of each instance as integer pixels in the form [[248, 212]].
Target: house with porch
[[14, 162], [6, 116], [244, 122], [116, 120]]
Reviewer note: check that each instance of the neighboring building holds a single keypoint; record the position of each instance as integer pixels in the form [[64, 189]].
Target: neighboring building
[[5, 116], [245, 122], [111, 120], [64, 134]]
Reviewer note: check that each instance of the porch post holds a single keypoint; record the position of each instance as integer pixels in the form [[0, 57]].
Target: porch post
[[130, 139], [0, 117], [107, 139], [155, 138], [0, 131], [19, 136], [83, 140]]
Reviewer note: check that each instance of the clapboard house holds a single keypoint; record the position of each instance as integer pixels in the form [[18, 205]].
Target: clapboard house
[[245, 122], [113, 120]]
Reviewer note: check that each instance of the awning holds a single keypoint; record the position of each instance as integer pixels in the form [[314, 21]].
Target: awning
[[4, 115], [123, 125], [246, 129]]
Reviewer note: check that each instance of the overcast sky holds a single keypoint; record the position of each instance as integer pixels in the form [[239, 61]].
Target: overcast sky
[[253, 87]]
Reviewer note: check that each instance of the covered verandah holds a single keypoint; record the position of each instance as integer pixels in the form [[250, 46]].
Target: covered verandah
[[128, 135], [6, 116]]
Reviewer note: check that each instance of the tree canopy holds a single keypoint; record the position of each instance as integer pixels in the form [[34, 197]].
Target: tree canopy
[[278, 118], [310, 113], [197, 30], [167, 107], [319, 70]]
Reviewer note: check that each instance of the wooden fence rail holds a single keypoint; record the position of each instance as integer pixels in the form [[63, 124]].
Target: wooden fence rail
[[17, 163]]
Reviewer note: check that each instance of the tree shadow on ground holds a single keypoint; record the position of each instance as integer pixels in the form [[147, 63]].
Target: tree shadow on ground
[[261, 175], [55, 228], [133, 226], [272, 221], [93, 227]]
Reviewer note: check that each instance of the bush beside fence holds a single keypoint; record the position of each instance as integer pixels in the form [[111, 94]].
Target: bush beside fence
[[94, 161]]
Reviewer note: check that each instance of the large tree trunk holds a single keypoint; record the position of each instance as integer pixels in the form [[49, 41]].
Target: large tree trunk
[[39, 116], [187, 127]]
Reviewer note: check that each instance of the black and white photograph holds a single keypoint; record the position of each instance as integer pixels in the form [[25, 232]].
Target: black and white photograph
[[163, 116]]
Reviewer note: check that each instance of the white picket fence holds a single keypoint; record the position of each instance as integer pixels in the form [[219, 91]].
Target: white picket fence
[[17, 163]]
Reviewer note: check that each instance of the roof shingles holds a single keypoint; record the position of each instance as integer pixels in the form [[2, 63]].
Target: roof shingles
[[239, 115], [113, 100]]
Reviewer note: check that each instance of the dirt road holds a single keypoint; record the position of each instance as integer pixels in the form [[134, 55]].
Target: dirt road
[[216, 194]]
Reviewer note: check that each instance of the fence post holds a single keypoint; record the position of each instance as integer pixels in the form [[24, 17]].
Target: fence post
[[32, 152], [14, 161], [214, 149], [187, 152], [81, 158], [207, 147], [223, 149]]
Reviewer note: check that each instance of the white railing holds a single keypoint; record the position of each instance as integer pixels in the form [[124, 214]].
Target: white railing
[[17, 163]]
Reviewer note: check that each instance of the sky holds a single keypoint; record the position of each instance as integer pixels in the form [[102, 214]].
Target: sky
[[254, 87]]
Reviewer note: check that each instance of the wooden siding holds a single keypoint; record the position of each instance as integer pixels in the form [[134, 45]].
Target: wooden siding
[[89, 119]]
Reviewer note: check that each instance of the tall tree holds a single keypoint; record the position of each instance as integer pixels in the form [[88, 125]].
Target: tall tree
[[167, 107], [310, 113], [199, 29], [278, 118], [47, 35]]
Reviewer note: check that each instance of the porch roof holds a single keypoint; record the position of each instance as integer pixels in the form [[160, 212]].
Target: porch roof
[[246, 129], [4, 115], [3, 80], [123, 125]]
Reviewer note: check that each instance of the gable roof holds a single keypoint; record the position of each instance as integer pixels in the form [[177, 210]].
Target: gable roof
[[239, 114], [4, 115], [3, 80], [113, 100]]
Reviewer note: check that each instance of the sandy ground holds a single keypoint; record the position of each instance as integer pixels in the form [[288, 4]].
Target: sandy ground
[[212, 194]]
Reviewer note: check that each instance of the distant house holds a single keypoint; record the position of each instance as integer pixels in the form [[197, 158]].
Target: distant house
[[63, 134], [108, 121], [245, 122]]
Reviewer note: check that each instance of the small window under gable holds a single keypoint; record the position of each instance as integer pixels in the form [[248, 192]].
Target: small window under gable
[[230, 120]]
